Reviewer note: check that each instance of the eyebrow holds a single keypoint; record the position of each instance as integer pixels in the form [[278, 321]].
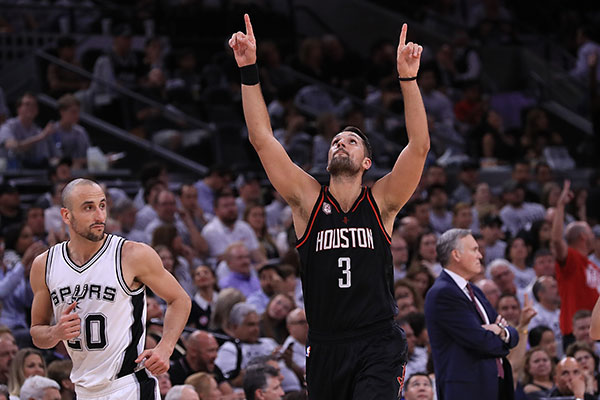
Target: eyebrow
[[91, 202]]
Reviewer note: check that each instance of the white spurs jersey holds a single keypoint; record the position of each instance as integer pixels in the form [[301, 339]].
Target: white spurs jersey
[[112, 316]]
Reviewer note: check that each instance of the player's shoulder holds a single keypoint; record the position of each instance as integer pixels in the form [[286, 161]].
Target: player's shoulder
[[133, 249], [41, 260]]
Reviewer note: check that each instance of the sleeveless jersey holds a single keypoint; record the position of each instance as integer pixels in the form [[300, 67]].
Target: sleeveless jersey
[[112, 316], [346, 266]]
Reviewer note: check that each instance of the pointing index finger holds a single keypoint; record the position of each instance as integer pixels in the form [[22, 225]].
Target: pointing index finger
[[403, 34], [71, 307], [249, 30]]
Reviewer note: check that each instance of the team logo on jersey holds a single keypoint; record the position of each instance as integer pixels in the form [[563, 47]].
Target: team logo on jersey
[[327, 208]]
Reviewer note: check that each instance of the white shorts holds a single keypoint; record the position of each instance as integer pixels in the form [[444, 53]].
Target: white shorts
[[140, 385]]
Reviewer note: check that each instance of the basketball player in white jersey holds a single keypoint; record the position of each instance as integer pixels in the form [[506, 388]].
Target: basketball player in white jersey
[[90, 293]]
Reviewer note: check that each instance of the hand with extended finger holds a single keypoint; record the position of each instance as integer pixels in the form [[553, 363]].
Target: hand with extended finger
[[566, 195], [69, 324], [244, 45], [156, 360], [408, 56]]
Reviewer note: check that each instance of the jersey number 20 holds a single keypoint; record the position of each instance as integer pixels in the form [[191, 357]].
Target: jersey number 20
[[94, 334], [346, 281]]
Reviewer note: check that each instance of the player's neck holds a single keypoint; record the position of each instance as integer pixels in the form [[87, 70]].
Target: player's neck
[[81, 250], [345, 189]]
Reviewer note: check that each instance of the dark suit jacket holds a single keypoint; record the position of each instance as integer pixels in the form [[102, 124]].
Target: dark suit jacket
[[464, 354]]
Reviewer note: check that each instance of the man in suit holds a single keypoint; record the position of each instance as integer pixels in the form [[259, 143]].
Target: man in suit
[[469, 340]]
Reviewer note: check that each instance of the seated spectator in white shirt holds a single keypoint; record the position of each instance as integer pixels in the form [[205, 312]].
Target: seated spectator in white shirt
[[518, 214], [225, 229], [440, 218], [22, 140], [545, 292], [124, 213], [147, 213], [492, 235], [248, 186], [72, 138]]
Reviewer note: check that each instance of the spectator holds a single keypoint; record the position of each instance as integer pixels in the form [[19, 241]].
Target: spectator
[[227, 298], [210, 186], [61, 80], [421, 278], [582, 321], [255, 216], [262, 383], [407, 298], [509, 308], [273, 320], [182, 392], [483, 204], [327, 127], [399, 249], [539, 234], [518, 214], [147, 213], [205, 298], [490, 290], [417, 356], [28, 362], [205, 386], [124, 213], [188, 198], [8, 351], [426, 255], [34, 219], [545, 292], [420, 209], [40, 388], [201, 352], [492, 235], [175, 265], [244, 326], [543, 337], [521, 174], [462, 217], [241, 275], [440, 218], [60, 371], [296, 342], [166, 211], [537, 374], [468, 178], [225, 229], [164, 383], [569, 380], [71, 138], [517, 254], [418, 387], [574, 273], [410, 231], [270, 283], [23, 141], [588, 361], [10, 205], [595, 256], [289, 381], [586, 47], [248, 186], [503, 276]]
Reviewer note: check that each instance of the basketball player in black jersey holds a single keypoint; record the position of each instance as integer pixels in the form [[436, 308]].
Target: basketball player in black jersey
[[355, 350]]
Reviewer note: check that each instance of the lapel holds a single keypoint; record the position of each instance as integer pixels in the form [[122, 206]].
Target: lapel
[[476, 292]]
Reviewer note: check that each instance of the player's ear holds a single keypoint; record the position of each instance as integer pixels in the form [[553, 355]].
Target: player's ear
[[366, 163], [65, 214]]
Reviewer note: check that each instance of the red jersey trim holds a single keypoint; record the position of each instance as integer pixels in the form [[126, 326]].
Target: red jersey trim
[[359, 201], [387, 237], [312, 221]]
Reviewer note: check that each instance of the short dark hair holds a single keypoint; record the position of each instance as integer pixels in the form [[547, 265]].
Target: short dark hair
[[581, 314], [26, 94], [368, 148], [535, 335], [256, 378], [578, 346], [221, 195], [417, 374]]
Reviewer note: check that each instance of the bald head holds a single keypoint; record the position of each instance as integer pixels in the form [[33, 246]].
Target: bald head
[[73, 187], [576, 231]]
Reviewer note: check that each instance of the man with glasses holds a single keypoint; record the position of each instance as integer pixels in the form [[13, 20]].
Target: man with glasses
[[294, 347]]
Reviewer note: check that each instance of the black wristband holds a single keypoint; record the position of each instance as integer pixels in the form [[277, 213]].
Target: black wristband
[[249, 74], [407, 79]]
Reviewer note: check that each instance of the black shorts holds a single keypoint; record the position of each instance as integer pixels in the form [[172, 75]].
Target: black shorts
[[368, 367]]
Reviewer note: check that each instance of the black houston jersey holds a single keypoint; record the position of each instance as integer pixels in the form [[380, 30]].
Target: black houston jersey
[[347, 272]]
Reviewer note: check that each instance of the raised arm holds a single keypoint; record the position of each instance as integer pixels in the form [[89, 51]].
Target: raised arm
[[393, 190], [297, 187], [559, 245], [148, 269]]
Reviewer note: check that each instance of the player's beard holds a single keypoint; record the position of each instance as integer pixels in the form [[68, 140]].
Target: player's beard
[[342, 166], [86, 233]]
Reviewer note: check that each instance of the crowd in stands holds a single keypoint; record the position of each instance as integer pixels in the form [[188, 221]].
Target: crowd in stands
[[228, 239]]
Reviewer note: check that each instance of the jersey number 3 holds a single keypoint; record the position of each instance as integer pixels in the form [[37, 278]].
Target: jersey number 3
[[95, 333], [346, 281]]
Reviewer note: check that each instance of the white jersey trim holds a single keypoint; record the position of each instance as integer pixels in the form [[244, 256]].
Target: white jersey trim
[[119, 270], [91, 261]]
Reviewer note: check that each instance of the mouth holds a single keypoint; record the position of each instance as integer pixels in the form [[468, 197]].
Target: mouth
[[98, 226]]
